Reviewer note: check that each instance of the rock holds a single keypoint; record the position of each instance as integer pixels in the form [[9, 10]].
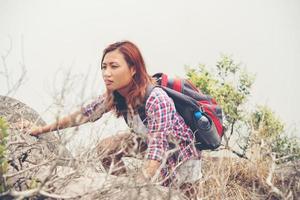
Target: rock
[[25, 151], [16, 112]]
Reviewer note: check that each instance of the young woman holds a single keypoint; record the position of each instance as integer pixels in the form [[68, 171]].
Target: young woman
[[170, 149]]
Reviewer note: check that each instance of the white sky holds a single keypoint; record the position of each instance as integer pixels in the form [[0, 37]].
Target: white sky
[[57, 36]]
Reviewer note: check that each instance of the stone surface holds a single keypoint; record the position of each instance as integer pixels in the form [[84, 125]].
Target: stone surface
[[25, 151]]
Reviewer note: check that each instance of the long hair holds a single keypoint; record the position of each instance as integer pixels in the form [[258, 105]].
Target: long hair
[[139, 83]]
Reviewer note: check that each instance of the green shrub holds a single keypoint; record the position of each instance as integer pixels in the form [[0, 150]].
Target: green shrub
[[286, 148]]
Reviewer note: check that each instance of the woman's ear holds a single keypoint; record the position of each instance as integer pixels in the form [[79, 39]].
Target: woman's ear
[[132, 71]]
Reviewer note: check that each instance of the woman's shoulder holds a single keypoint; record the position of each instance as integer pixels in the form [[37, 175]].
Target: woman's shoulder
[[158, 92], [158, 96]]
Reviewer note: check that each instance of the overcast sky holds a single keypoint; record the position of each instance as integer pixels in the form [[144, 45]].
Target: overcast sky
[[53, 37]]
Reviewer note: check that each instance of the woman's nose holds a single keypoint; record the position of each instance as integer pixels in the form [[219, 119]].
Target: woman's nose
[[106, 72]]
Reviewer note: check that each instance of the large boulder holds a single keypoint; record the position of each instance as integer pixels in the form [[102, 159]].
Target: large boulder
[[25, 151], [16, 113]]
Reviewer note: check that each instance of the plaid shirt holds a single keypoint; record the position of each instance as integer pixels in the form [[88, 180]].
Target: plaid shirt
[[166, 128], [169, 138]]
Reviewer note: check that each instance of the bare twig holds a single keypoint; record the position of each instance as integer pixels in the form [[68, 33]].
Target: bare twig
[[35, 192], [27, 169], [12, 85]]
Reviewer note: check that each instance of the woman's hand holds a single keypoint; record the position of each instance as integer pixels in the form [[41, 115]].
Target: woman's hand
[[148, 171], [36, 130]]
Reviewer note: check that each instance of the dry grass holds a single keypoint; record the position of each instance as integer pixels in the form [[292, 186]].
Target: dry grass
[[235, 178]]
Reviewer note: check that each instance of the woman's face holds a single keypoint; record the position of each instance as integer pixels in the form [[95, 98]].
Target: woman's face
[[116, 72]]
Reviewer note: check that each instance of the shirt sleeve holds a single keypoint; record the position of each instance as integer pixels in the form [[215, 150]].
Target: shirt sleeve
[[95, 109], [160, 111]]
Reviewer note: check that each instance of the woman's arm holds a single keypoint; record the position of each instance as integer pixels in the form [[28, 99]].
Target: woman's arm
[[74, 119], [91, 112]]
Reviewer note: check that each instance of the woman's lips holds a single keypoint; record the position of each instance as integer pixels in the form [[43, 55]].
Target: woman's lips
[[108, 82]]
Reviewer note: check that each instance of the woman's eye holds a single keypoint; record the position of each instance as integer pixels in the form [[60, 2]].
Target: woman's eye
[[103, 67], [115, 66]]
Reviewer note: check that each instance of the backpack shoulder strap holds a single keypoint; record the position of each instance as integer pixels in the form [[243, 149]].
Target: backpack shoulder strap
[[142, 109]]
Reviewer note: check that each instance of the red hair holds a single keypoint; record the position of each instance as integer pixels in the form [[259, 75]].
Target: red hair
[[140, 81]]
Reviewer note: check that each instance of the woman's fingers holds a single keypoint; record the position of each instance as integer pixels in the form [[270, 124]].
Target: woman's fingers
[[35, 131]]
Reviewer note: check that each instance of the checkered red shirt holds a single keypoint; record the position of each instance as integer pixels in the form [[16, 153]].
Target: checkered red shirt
[[166, 126]]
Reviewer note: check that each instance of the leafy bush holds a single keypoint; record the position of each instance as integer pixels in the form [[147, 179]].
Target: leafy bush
[[267, 124], [286, 148]]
